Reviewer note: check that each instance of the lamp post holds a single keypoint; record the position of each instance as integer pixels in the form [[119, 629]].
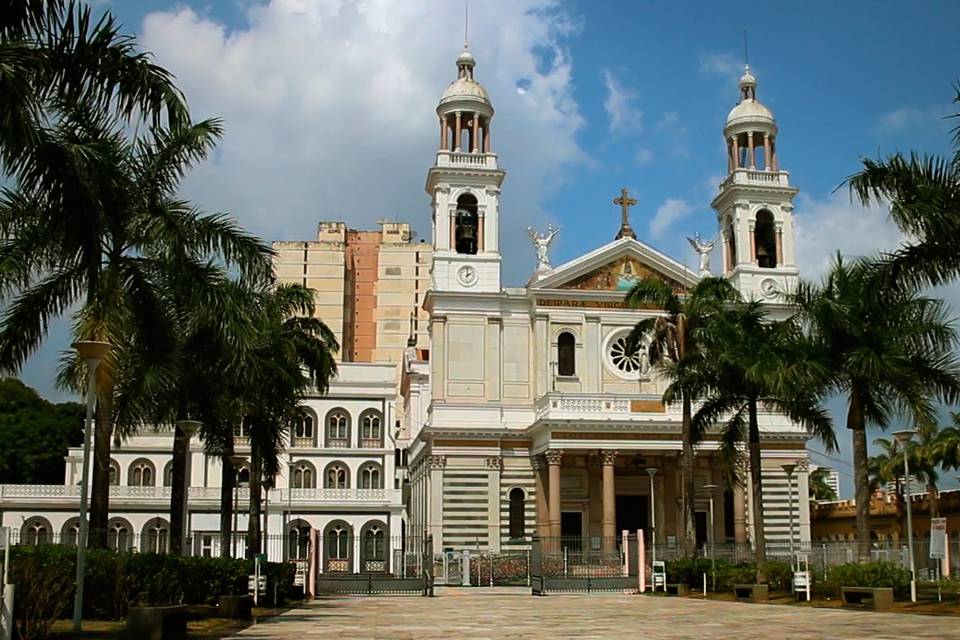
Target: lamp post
[[789, 469], [653, 518], [91, 352], [237, 462], [710, 489], [904, 437], [188, 428]]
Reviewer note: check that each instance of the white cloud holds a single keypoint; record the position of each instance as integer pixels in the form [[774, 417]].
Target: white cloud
[[909, 117], [329, 107], [644, 156], [721, 64], [620, 105], [670, 212], [823, 227]]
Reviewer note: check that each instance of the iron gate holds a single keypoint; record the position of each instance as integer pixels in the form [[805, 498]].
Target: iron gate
[[411, 571], [588, 565]]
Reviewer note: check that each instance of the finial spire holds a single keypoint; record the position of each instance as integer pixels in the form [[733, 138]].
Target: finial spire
[[466, 24], [746, 59], [625, 202]]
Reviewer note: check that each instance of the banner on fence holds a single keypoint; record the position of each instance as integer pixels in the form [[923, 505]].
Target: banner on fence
[[938, 538]]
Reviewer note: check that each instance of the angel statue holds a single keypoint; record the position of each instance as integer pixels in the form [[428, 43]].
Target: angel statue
[[541, 242], [703, 250]]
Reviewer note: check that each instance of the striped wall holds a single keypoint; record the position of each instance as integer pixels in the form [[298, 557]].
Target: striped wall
[[776, 507], [511, 477], [465, 508]]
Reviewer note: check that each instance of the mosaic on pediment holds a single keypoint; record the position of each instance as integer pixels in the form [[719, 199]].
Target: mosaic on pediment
[[619, 275]]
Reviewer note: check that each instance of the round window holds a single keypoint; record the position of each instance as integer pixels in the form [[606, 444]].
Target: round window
[[625, 363]]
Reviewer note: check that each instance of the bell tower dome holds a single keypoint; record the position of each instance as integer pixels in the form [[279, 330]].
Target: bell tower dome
[[755, 204], [464, 184]]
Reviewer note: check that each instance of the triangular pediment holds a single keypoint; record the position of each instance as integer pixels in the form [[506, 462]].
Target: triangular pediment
[[614, 267]]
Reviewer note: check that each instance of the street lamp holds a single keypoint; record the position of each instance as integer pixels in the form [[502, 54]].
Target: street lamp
[[91, 352], [710, 489], [789, 469], [653, 518], [188, 428], [904, 437], [237, 462]]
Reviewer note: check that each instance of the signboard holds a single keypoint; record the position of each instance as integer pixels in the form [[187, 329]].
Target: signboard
[[938, 538], [659, 575], [261, 581]]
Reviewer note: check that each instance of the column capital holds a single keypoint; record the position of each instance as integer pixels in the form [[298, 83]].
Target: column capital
[[553, 456], [494, 462], [803, 464], [608, 457], [537, 462], [437, 462]]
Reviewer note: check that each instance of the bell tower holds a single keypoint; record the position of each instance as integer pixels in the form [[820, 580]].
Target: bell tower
[[755, 204], [464, 184]]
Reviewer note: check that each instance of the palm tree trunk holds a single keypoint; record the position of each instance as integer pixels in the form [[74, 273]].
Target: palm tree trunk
[[178, 490], [100, 483], [227, 481], [934, 500], [688, 504], [759, 539], [857, 424], [253, 522]]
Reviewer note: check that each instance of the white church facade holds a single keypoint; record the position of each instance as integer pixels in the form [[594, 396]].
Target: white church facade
[[530, 415]]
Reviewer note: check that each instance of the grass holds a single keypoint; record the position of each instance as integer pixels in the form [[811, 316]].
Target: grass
[[201, 625], [949, 607]]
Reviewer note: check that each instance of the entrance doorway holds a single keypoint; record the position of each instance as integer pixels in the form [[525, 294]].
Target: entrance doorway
[[633, 512], [701, 525], [571, 530]]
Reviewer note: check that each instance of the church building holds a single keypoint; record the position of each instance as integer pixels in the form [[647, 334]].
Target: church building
[[528, 414]]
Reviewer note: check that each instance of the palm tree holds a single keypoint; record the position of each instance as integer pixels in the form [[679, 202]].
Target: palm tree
[[754, 364], [55, 56], [888, 350], [293, 352], [673, 337], [106, 247], [946, 447], [820, 490], [924, 196]]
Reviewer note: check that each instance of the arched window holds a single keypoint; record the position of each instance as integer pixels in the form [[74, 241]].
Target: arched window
[[517, 513], [338, 428], [155, 537], [70, 532], [304, 426], [371, 476], [298, 533], [243, 477], [373, 549], [304, 476], [466, 231], [731, 240], [336, 476], [114, 473], [566, 354], [119, 535], [765, 240], [141, 473], [371, 429], [241, 431], [36, 530], [168, 474], [338, 546]]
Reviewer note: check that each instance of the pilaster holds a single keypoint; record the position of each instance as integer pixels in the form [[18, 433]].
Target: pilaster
[[494, 468]]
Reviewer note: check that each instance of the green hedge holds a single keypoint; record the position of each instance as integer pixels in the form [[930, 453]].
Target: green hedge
[[868, 574], [115, 581], [690, 571]]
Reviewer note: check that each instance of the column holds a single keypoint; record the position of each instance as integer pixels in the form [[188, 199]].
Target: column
[[730, 155], [554, 456], [456, 133], [443, 133], [779, 231], [802, 509], [736, 151], [773, 154], [494, 467], [752, 160], [487, 144], [436, 465], [475, 141], [740, 504], [767, 165], [608, 459], [753, 244], [540, 489]]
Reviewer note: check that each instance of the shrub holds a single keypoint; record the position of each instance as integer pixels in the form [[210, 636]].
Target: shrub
[[868, 574], [44, 576]]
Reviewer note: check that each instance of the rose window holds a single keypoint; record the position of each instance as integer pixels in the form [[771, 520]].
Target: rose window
[[630, 365]]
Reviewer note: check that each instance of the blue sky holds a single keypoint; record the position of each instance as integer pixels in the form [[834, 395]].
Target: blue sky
[[328, 107]]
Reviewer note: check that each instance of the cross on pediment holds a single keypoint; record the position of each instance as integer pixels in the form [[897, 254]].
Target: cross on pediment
[[625, 202]]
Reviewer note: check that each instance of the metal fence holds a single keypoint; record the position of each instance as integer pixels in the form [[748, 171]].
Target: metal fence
[[584, 564]]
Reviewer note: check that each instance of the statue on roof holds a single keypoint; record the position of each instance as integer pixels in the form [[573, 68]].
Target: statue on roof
[[541, 243], [703, 250]]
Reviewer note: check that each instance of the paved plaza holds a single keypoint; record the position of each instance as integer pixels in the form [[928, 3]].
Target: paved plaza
[[502, 613]]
